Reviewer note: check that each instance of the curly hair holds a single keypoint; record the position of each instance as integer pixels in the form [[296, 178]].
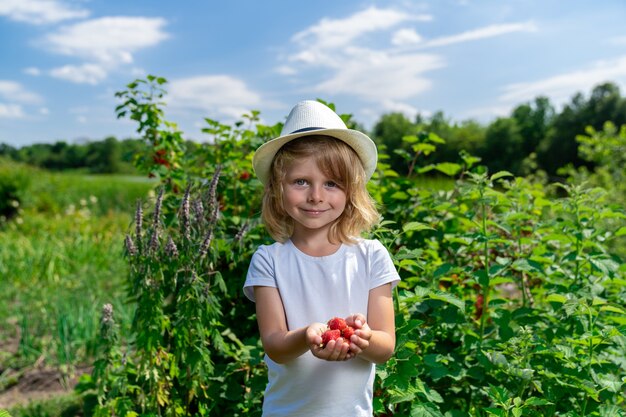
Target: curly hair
[[338, 161]]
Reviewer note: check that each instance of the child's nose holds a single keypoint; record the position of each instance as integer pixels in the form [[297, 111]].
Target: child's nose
[[315, 193]]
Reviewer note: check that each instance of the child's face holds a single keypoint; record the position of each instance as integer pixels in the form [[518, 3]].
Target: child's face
[[312, 199]]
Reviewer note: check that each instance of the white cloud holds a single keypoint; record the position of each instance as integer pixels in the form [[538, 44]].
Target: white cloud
[[375, 74], [286, 70], [11, 111], [83, 74], [220, 95], [15, 92], [40, 11], [396, 106], [353, 66], [110, 40], [482, 33], [35, 72], [334, 33], [561, 87], [406, 36]]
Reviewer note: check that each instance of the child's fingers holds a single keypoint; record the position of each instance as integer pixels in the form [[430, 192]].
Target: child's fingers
[[356, 320], [358, 345], [335, 350]]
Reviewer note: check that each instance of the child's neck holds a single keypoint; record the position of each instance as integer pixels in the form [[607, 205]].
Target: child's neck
[[315, 245]]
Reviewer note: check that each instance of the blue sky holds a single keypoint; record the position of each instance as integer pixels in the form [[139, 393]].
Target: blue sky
[[63, 60]]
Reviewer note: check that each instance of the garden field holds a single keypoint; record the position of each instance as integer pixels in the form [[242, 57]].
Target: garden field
[[60, 261], [512, 300]]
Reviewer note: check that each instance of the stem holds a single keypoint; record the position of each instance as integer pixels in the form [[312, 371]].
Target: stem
[[523, 277], [412, 166], [590, 358], [578, 242], [484, 288]]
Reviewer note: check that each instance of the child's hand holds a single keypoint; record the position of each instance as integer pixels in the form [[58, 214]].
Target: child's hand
[[335, 350], [360, 340]]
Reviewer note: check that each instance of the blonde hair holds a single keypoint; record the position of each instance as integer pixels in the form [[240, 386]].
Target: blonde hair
[[338, 161]]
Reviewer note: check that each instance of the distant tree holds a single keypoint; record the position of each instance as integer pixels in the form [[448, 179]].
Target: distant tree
[[468, 135], [389, 131], [104, 157], [503, 146], [36, 154], [75, 156], [559, 148], [8, 151], [533, 120]]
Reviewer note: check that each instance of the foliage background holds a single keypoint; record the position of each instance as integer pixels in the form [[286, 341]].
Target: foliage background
[[512, 299]]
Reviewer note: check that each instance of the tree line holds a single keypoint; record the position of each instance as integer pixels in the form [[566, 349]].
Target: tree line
[[106, 156], [534, 136]]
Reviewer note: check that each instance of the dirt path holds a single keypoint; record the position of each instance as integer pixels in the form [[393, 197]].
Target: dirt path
[[37, 384]]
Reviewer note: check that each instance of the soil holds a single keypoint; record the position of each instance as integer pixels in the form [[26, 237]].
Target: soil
[[38, 383]]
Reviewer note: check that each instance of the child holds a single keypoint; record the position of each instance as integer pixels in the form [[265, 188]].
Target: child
[[315, 206]]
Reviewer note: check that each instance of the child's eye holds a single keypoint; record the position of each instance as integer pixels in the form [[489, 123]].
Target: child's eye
[[331, 184], [300, 181]]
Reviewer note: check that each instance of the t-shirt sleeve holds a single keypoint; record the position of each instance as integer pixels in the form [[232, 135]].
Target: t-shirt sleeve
[[382, 269], [260, 272]]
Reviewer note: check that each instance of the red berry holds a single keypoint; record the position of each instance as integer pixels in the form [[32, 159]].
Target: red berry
[[347, 333], [337, 324], [478, 305], [329, 335]]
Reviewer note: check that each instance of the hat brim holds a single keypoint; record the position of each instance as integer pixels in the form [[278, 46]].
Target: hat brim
[[360, 142]]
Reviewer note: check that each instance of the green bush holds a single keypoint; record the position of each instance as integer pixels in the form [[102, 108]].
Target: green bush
[[14, 180], [511, 301]]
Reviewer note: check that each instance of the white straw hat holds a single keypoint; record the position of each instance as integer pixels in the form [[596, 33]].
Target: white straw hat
[[314, 118]]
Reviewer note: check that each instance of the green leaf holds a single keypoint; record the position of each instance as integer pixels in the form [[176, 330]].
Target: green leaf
[[612, 309], [557, 298], [432, 137], [448, 168], [399, 396], [4, 413], [412, 226], [400, 195], [425, 148], [611, 383], [425, 410], [495, 412], [534, 401], [448, 298], [621, 231], [442, 270], [483, 278], [501, 174]]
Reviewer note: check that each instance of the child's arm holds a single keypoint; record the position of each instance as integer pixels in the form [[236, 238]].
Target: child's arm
[[376, 339], [283, 345]]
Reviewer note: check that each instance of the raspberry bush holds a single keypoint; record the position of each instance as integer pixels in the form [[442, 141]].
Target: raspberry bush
[[511, 301]]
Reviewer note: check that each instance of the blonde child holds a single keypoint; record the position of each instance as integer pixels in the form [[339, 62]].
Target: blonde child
[[316, 206]]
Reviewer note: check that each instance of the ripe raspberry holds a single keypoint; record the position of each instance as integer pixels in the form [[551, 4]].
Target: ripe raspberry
[[329, 335], [347, 333], [337, 323]]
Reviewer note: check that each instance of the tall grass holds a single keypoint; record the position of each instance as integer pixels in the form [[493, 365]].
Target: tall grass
[[60, 261]]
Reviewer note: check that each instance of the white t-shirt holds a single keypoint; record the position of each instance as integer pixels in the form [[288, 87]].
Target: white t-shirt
[[314, 289]]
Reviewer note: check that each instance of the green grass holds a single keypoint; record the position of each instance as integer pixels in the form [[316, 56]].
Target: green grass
[[62, 192], [60, 261]]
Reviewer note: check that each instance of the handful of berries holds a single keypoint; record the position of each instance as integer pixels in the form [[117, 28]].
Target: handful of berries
[[337, 327]]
